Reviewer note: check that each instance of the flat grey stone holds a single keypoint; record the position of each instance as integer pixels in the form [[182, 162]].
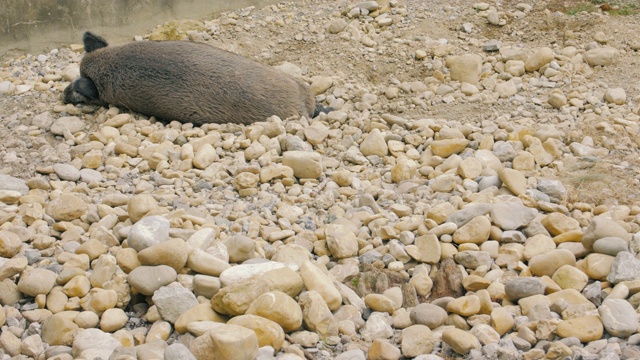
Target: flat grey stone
[[13, 184], [465, 215], [625, 267]]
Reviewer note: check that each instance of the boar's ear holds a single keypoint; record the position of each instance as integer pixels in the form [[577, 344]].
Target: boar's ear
[[86, 87], [93, 42]]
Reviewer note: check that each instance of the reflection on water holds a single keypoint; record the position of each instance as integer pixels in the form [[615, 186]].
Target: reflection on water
[[38, 26]]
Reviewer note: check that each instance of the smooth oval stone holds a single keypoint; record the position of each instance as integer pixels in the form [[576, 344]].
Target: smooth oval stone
[[379, 302], [226, 342], [610, 245], [37, 281], [569, 277], [429, 315], [148, 279], [141, 205], [602, 227], [199, 313], [416, 340], [245, 271], [547, 264], [462, 342], [465, 306], [522, 287], [278, 307], [586, 328]]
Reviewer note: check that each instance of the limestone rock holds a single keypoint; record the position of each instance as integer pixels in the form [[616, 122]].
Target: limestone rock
[[462, 342], [337, 25], [205, 263], [601, 56], [178, 351], [201, 312], [36, 281], [173, 300], [625, 267], [586, 328], [320, 84], [141, 205], [240, 248], [601, 227], [235, 299], [501, 320], [379, 302], [59, 329], [378, 326], [570, 277], [615, 96], [268, 332], [72, 124], [618, 317], [93, 343], [382, 349], [464, 306], [416, 340], [283, 279], [539, 59], [374, 144], [514, 180], [521, 287], [316, 314], [10, 244], [279, 308], [610, 245], [305, 164], [341, 242], [148, 279], [234, 274], [475, 231], [547, 264], [226, 342], [66, 207], [113, 320], [172, 252], [465, 68], [315, 279], [447, 147], [429, 315], [429, 248]]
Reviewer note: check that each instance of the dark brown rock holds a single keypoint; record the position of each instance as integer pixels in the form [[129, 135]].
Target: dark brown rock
[[374, 281], [448, 281], [409, 296]]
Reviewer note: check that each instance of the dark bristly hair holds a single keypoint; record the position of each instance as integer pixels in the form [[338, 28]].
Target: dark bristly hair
[[188, 82]]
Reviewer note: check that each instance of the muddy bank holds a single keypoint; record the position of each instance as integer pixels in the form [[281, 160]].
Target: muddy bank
[[35, 27]]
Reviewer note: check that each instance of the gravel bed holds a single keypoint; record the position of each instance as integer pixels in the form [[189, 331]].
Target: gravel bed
[[474, 195]]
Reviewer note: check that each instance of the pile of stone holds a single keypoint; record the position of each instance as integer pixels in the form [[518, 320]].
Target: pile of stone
[[363, 233]]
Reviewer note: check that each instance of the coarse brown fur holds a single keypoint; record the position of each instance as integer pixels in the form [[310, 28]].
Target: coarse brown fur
[[188, 82]]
